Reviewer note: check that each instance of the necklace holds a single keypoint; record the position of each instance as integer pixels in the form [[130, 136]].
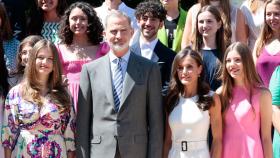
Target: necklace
[[77, 48], [86, 51]]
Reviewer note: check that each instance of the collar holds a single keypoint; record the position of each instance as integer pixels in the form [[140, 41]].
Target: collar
[[151, 45], [112, 56]]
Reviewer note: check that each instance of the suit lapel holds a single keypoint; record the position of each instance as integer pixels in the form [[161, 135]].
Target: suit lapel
[[131, 72], [159, 51], [155, 56], [135, 48], [107, 78]]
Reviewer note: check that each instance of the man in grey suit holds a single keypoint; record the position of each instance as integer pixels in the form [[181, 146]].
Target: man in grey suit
[[119, 106]]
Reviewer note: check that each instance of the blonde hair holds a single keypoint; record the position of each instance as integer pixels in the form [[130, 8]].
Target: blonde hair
[[266, 34]]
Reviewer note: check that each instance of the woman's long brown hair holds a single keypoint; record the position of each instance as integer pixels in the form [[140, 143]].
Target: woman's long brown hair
[[31, 86], [176, 87], [251, 78]]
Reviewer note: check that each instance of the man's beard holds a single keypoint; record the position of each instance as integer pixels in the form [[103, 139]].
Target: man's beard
[[119, 47]]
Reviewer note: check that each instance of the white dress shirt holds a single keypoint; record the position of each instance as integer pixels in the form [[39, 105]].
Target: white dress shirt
[[147, 48], [114, 64]]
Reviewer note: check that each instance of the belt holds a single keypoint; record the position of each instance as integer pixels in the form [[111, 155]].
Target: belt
[[190, 145]]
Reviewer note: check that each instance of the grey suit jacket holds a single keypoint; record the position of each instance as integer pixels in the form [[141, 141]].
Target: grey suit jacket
[[137, 128]]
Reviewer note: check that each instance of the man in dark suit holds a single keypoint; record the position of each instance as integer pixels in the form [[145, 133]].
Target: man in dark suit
[[150, 16], [119, 105]]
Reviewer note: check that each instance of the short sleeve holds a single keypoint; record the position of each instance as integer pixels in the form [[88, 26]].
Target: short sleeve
[[274, 86], [69, 129]]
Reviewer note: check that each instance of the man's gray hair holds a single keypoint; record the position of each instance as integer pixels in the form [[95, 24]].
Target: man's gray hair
[[116, 13]]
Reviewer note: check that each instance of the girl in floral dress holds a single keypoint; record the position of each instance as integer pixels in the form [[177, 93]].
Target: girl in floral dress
[[38, 119]]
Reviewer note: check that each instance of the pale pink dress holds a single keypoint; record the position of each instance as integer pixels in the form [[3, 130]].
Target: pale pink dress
[[72, 69], [241, 133]]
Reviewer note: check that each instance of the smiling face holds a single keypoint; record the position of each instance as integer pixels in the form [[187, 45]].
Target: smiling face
[[48, 5], [188, 71], [25, 54], [118, 33], [234, 66], [44, 62], [78, 21], [149, 26], [272, 17], [207, 24]]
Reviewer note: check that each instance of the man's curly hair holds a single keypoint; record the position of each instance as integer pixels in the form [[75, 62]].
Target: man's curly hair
[[152, 7], [94, 30]]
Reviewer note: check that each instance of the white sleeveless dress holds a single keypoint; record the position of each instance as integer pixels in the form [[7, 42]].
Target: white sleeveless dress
[[189, 127]]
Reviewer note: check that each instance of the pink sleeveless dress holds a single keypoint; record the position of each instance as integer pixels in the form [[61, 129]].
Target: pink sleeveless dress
[[266, 64], [241, 133], [72, 70]]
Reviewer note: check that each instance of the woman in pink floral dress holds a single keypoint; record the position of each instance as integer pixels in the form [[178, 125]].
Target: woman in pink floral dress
[[38, 117]]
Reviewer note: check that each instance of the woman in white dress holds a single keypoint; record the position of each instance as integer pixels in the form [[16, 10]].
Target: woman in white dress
[[191, 108]]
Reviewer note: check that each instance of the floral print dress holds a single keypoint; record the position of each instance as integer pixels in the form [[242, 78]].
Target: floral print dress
[[2, 99], [36, 132]]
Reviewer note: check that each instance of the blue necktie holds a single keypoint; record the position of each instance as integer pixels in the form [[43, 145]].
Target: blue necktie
[[117, 83]]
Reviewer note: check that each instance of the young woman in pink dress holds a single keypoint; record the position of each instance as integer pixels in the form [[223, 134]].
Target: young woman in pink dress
[[267, 47], [81, 42], [246, 106]]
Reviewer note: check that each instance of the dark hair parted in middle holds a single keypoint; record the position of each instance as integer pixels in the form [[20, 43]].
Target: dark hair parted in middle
[[220, 37], [152, 7], [251, 77], [30, 41], [94, 29], [176, 87], [35, 16]]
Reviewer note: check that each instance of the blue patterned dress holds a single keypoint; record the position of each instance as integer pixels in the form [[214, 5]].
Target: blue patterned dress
[[10, 53], [37, 132], [50, 32]]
